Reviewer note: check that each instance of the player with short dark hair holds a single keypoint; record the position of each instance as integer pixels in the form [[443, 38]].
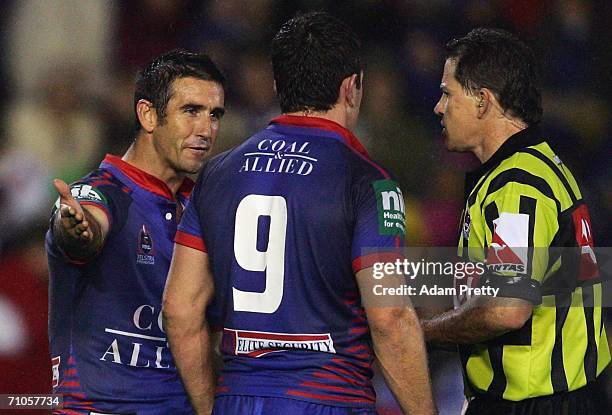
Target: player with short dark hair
[[282, 233], [309, 67], [110, 245], [155, 81], [540, 345]]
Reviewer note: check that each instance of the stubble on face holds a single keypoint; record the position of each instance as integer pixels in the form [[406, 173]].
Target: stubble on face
[[190, 127], [457, 109]]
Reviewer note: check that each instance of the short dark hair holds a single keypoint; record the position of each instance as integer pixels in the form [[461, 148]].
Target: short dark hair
[[497, 60], [154, 82], [311, 55]]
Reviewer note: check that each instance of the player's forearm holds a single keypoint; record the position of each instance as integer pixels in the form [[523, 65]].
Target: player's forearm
[[77, 248], [400, 350], [465, 325], [191, 349]]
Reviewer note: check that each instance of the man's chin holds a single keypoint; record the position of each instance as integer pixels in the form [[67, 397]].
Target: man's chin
[[193, 167], [452, 145]]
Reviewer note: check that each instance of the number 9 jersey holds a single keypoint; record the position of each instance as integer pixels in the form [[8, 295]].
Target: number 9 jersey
[[287, 219]]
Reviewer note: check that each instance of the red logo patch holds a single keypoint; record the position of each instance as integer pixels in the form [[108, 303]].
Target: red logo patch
[[584, 238], [500, 253]]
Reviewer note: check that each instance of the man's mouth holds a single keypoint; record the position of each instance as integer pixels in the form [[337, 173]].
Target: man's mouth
[[200, 148]]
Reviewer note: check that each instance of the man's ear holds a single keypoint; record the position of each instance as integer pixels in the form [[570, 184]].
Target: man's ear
[[146, 115], [349, 90], [485, 101]]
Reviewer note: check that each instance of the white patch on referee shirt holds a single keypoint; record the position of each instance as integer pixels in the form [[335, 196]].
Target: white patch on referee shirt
[[508, 248]]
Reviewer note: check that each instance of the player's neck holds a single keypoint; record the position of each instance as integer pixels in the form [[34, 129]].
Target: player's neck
[[335, 114], [144, 157]]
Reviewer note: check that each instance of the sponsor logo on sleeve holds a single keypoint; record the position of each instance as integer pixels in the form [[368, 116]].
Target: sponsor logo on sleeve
[[467, 224], [55, 368], [584, 239], [84, 192], [390, 205], [508, 249]]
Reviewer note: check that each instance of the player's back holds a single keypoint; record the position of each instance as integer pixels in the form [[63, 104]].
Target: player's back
[[286, 218]]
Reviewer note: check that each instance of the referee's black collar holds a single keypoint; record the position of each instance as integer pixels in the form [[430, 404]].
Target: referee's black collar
[[528, 137]]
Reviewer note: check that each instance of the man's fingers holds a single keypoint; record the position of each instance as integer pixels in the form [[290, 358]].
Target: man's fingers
[[68, 211], [62, 189]]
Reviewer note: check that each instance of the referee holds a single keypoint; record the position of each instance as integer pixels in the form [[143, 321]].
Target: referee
[[539, 345]]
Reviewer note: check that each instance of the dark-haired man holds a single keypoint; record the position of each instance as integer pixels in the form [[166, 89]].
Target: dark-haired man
[[110, 246], [285, 221], [539, 346]]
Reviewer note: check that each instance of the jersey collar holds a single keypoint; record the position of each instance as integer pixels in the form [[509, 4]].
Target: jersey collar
[[146, 180], [528, 137], [323, 124]]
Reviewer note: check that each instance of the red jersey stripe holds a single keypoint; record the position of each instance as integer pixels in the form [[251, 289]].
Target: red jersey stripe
[[185, 239]]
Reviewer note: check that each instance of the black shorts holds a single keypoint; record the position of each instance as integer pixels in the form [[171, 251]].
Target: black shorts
[[584, 401]]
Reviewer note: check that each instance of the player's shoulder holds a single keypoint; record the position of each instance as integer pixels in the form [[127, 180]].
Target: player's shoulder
[[362, 167], [214, 165]]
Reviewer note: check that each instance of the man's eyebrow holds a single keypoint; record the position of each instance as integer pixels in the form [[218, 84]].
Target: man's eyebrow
[[192, 105]]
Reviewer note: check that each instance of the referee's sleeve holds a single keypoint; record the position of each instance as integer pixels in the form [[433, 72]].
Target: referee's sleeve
[[520, 228]]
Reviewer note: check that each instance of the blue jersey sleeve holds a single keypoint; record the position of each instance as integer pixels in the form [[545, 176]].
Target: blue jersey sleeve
[[88, 193], [380, 222], [189, 232], [102, 190]]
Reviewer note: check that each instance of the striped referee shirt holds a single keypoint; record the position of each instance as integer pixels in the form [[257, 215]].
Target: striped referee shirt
[[525, 217]]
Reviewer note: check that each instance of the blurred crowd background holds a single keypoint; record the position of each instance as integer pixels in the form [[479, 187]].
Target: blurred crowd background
[[66, 85]]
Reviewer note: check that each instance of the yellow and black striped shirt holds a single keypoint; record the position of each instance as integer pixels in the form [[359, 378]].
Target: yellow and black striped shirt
[[525, 217]]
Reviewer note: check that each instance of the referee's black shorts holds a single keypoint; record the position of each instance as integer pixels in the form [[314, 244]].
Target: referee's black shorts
[[584, 401]]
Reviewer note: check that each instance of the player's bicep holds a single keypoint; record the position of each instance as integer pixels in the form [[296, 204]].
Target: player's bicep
[[190, 287], [378, 235]]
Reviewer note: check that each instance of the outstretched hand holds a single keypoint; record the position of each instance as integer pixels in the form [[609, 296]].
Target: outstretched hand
[[71, 214]]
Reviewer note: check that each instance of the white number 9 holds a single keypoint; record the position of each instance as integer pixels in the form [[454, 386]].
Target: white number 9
[[272, 261]]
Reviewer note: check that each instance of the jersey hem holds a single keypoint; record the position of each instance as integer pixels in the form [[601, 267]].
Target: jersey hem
[[297, 398]]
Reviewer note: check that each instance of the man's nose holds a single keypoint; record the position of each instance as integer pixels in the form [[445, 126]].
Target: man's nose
[[204, 127], [439, 109]]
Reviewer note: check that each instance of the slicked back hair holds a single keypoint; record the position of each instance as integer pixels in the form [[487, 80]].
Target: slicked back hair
[[311, 55], [154, 82], [497, 60]]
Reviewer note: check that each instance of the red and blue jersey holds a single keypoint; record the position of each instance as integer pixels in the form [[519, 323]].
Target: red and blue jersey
[[287, 219], [108, 347]]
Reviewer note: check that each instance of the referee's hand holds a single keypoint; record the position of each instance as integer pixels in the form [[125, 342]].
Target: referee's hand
[[73, 222]]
